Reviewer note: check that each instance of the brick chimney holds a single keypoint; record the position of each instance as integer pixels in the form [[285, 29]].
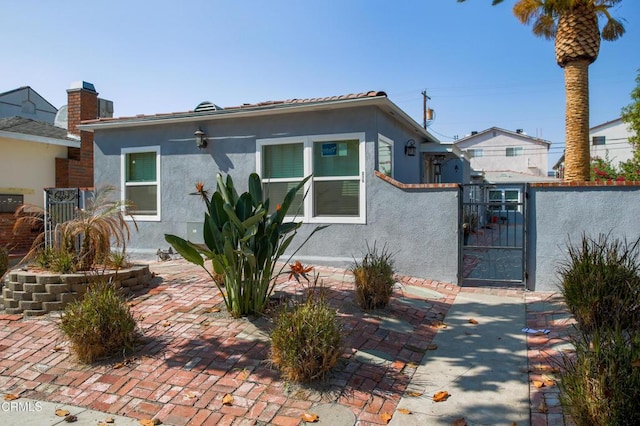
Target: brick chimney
[[76, 171]]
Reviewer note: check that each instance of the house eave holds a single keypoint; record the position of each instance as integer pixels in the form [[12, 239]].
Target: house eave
[[39, 139]]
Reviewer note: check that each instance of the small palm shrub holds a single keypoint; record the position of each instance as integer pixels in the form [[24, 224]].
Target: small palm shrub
[[601, 283], [100, 324], [600, 383], [374, 278], [306, 341]]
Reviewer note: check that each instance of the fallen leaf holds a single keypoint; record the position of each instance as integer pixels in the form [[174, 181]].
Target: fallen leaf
[[227, 399], [150, 422], [62, 413], [440, 324], [70, 418], [414, 394], [205, 323], [542, 407], [459, 422], [548, 381], [537, 383], [440, 396], [636, 363], [102, 424], [473, 321], [412, 365], [109, 420], [11, 397], [310, 417], [386, 417], [244, 374], [166, 324], [58, 348], [404, 411], [432, 347], [118, 365], [213, 310], [190, 395]]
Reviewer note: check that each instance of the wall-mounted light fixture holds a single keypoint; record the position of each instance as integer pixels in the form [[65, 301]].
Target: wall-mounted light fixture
[[201, 138], [410, 148]]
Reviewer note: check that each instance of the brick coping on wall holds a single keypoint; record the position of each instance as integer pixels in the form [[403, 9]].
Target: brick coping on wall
[[601, 184], [401, 185], [559, 184]]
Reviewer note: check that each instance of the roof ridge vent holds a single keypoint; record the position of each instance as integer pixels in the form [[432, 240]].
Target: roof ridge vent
[[207, 106]]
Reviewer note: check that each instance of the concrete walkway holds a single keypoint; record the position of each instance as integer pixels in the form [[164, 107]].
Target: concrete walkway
[[482, 366]]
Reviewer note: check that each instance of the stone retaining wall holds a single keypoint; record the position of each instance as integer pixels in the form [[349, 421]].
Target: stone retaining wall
[[34, 293]]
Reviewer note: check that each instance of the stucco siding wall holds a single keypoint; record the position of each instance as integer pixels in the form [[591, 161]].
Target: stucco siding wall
[[231, 149], [418, 226], [28, 169], [560, 215]]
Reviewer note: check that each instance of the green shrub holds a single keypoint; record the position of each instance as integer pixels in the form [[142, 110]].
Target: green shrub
[[243, 241], [306, 341], [62, 262], [374, 278], [118, 259], [100, 324], [601, 283], [600, 383], [4, 260]]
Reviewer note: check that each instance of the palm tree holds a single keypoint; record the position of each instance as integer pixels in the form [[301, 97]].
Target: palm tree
[[573, 24]]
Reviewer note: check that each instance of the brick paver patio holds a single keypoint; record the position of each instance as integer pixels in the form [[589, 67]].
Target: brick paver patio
[[192, 354]]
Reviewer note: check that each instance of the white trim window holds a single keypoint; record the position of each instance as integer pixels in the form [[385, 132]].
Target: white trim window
[[335, 193], [140, 180], [385, 156], [503, 200], [514, 151]]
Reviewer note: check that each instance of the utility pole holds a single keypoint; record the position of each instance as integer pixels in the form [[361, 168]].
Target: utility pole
[[424, 108], [427, 113]]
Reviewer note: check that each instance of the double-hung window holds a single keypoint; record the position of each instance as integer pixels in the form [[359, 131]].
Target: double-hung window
[[141, 181], [599, 140], [336, 191]]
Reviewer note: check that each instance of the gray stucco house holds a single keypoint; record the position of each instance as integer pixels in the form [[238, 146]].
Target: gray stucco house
[[370, 162]]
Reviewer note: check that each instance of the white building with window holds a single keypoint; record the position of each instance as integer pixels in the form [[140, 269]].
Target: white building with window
[[611, 140], [504, 151]]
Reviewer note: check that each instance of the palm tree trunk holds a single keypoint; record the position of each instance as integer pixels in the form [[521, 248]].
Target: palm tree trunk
[[577, 158]]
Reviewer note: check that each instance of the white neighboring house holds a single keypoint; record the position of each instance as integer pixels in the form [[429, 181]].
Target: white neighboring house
[[500, 150], [611, 140], [607, 140]]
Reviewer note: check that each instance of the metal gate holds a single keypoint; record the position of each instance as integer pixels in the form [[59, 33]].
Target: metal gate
[[493, 222], [61, 205]]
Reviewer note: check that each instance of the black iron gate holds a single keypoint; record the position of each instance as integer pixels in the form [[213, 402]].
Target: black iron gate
[[493, 222]]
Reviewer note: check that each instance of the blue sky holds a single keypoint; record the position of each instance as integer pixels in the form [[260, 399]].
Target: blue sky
[[479, 65]]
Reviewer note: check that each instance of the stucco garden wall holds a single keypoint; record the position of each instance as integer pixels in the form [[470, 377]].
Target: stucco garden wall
[[418, 223], [562, 213]]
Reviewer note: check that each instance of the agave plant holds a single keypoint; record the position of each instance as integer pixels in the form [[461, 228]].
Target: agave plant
[[243, 242]]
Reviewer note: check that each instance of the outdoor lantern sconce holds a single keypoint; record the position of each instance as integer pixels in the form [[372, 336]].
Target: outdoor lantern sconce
[[201, 138], [410, 148]]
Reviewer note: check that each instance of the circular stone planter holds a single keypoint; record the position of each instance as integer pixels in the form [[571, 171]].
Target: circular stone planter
[[34, 293]]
